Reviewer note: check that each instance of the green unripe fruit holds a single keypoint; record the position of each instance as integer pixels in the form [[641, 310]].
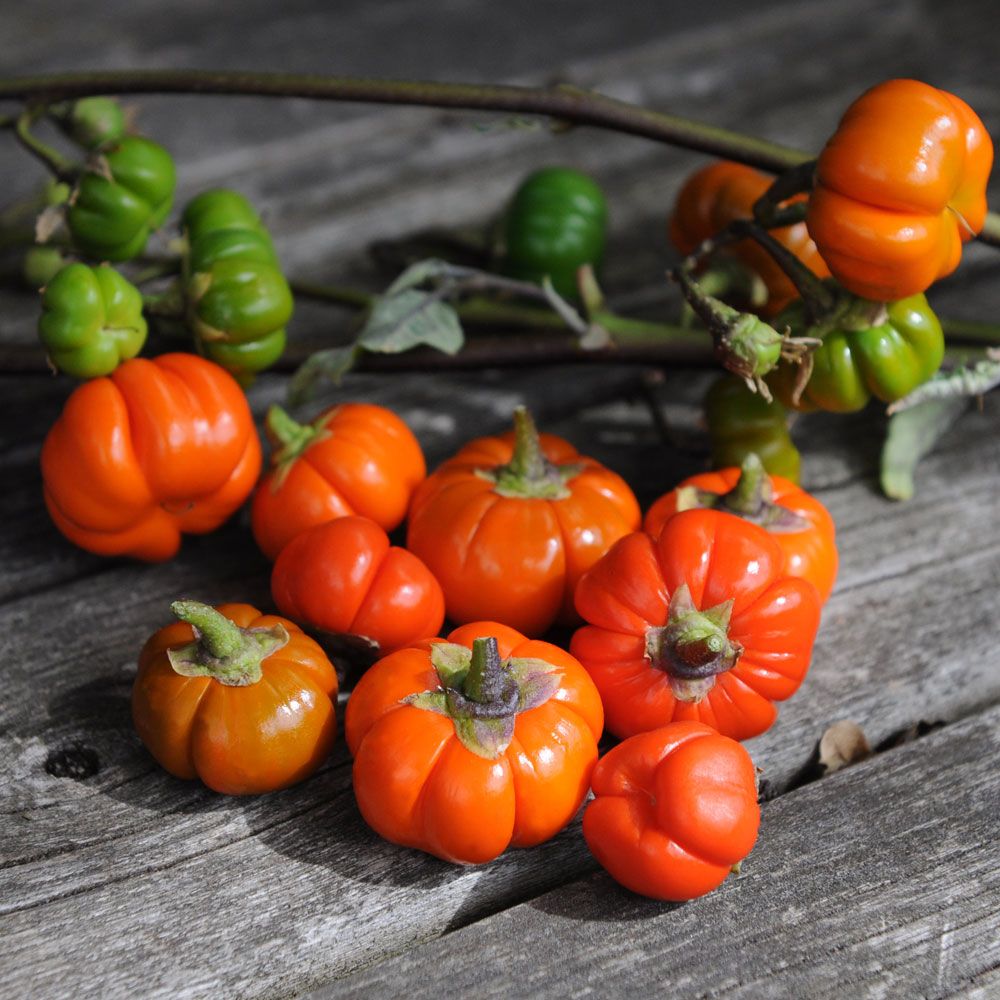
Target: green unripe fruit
[[91, 320], [555, 223], [868, 349], [238, 301], [112, 219], [741, 421]]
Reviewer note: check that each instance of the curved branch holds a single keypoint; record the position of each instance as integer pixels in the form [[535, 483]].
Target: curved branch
[[569, 104], [563, 103]]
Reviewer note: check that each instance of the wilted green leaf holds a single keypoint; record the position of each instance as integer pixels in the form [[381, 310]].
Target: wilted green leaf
[[410, 319], [911, 435], [333, 363]]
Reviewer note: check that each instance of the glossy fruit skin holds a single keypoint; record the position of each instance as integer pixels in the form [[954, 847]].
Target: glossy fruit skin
[[363, 460], [740, 421], [724, 192], [554, 224], [810, 553], [515, 559], [156, 449], [344, 577], [418, 786], [112, 219], [887, 359], [238, 299], [91, 320], [906, 165], [238, 740], [673, 810], [720, 557]]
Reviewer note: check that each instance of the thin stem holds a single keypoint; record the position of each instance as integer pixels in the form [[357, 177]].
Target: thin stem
[[336, 294], [51, 159], [815, 294], [567, 104], [528, 461], [484, 680], [767, 209], [169, 303], [487, 312], [217, 633], [970, 331], [154, 272], [507, 350]]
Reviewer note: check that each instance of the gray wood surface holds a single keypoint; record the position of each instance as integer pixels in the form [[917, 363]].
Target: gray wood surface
[[878, 881], [122, 881]]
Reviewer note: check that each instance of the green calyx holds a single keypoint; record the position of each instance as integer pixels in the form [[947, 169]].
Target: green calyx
[[483, 694], [744, 343], [529, 474], [91, 320], [866, 349], [222, 650], [694, 647], [119, 201], [289, 439], [752, 498]]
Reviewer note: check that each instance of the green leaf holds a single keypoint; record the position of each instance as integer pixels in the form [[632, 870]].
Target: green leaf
[[911, 435], [333, 363], [410, 319]]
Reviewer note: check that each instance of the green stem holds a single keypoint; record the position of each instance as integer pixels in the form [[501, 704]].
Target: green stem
[[217, 633], [155, 271], [767, 209], [487, 312], [529, 473], [971, 331], [339, 295], [748, 495], [60, 166], [484, 680], [528, 462], [222, 650], [290, 438], [816, 296]]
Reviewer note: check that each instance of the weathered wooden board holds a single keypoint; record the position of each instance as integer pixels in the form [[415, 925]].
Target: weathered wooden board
[[877, 881], [130, 845], [128, 882]]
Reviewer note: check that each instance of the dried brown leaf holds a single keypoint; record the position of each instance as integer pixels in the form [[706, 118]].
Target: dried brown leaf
[[844, 743]]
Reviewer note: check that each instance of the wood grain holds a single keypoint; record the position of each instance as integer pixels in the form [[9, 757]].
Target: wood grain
[[125, 881], [880, 880]]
